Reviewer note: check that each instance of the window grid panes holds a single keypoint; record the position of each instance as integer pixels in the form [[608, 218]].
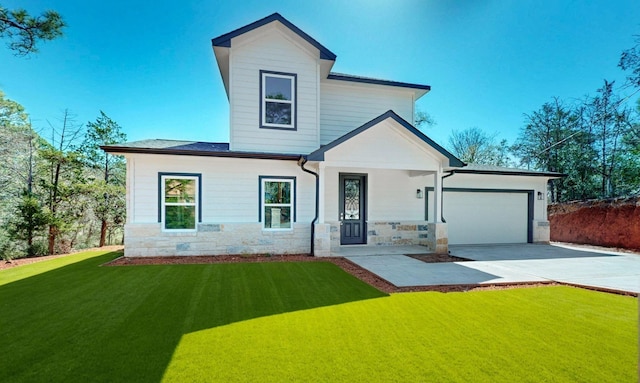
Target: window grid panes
[[179, 203], [277, 203], [278, 104]]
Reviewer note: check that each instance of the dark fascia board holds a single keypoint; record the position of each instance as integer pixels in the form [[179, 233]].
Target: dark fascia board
[[201, 153], [366, 80], [318, 155], [510, 173], [225, 40]]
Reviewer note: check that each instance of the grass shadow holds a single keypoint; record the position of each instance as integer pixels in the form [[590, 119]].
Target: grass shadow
[[82, 322]]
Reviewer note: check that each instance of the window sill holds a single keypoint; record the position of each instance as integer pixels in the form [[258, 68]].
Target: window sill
[[179, 232], [276, 230], [278, 127]]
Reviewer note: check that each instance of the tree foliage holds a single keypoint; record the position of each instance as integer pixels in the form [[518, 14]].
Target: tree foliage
[[611, 121], [25, 31], [57, 192], [108, 192], [30, 218], [552, 140], [630, 61], [423, 119], [474, 146], [64, 178]]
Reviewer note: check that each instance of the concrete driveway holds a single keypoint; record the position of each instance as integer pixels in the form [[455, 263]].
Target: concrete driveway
[[493, 264]]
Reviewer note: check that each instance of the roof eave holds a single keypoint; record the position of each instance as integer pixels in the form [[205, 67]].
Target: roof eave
[[510, 173], [419, 89], [200, 153]]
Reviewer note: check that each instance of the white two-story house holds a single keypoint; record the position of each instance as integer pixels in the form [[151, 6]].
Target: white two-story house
[[316, 161]]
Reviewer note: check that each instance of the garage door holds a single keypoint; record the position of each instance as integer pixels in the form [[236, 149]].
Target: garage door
[[477, 217]]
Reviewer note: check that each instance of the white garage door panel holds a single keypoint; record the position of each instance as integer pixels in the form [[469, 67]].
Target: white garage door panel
[[475, 218]]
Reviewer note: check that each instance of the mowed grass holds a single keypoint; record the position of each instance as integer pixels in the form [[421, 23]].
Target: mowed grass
[[70, 320]]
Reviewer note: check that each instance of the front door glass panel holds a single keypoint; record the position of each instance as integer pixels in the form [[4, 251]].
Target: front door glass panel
[[351, 199]]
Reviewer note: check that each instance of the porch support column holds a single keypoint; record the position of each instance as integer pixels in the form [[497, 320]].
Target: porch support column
[[438, 236], [322, 240], [437, 196], [321, 192]]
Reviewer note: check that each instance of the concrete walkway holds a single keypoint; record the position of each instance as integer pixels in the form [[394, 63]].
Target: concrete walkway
[[521, 263]]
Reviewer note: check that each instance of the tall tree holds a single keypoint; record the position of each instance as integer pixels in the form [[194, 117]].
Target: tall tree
[[65, 175], [109, 191], [24, 31], [473, 145], [18, 144], [611, 120], [29, 220], [552, 140]]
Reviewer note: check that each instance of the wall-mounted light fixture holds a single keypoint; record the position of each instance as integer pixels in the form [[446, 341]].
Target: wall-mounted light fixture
[[540, 196], [419, 193]]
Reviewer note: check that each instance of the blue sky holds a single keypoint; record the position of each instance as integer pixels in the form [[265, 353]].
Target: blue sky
[[149, 65]]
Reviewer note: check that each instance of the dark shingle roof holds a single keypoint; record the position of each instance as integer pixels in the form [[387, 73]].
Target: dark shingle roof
[[501, 170], [377, 81], [191, 148]]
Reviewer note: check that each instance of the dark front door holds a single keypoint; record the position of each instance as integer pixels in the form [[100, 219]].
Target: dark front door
[[352, 209]]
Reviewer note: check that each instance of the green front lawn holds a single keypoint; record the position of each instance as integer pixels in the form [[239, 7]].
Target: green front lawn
[[69, 320]]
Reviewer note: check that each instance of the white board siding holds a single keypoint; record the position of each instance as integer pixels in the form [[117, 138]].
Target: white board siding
[[391, 194], [384, 146], [271, 49], [345, 106], [230, 186], [483, 218]]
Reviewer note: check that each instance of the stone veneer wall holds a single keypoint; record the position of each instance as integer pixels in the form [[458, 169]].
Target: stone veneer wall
[[541, 231], [143, 240], [388, 233]]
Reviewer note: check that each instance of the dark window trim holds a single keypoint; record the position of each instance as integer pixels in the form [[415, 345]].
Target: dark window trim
[[177, 175], [295, 195], [295, 101], [530, 202]]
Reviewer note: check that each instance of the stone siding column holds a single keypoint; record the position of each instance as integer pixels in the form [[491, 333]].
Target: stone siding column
[[322, 240], [438, 238]]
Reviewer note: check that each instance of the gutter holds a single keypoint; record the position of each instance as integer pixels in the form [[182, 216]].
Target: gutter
[[200, 153], [301, 162], [442, 197]]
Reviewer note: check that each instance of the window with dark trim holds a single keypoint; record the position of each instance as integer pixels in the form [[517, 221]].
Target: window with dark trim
[[277, 202], [179, 201], [277, 100]]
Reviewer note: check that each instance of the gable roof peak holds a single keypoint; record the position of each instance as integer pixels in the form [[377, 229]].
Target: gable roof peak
[[318, 155], [225, 39]]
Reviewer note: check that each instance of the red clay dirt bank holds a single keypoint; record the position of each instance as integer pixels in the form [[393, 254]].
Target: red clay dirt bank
[[610, 223]]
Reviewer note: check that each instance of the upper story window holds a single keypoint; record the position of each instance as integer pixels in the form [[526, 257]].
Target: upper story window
[[179, 203], [277, 100]]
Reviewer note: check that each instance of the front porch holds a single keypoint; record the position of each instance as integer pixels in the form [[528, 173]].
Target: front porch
[[384, 238], [372, 188]]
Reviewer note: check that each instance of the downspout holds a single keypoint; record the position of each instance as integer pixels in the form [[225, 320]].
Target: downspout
[[442, 196], [301, 162]]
